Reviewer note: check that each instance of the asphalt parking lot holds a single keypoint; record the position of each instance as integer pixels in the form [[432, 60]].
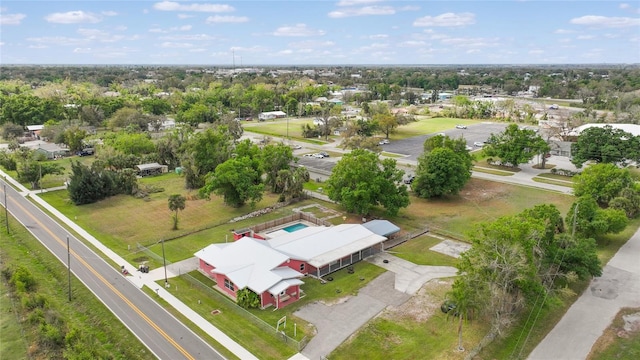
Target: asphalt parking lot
[[412, 147]]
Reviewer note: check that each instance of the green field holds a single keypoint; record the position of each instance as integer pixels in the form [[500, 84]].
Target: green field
[[21, 324]]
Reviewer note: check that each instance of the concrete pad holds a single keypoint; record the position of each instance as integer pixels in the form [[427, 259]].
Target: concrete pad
[[451, 247]]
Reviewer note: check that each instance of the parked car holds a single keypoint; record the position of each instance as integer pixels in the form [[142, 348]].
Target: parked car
[[319, 156], [468, 148], [324, 154], [296, 147], [478, 144], [410, 179], [308, 155], [461, 126], [554, 107]]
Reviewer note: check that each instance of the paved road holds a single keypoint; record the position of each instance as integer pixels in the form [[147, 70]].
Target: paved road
[[163, 334], [618, 287]]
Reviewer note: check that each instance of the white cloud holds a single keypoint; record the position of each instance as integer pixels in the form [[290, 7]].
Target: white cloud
[[471, 42], [356, 2], [184, 16], [197, 50], [447, 19], [378, 36], [178, 45], [311, 44], [412, 43], [184, 28], [564, 31], [181, 6], [363, 11], [120, 28], [11, 19], [536, 52], [58, 40], [297, 30], [109, 13], [73, 17], [38, 46], [605, 21], [585, 37], [190, 37], [624, 6], [227, 19], [1, 43], [82, 50]]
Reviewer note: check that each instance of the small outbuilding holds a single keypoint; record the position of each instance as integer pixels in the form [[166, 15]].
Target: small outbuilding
[[151, 169]]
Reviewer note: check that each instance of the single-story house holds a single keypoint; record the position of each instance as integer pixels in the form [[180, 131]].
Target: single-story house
[[51, 151], [253, 264], [336, 101], [35, 130], [270, 115], [320, 250], [258, 263], [151, 169]]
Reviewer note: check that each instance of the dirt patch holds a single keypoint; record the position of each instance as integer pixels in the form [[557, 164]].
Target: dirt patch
[[335, 301], [626, 324], [479, 191], [423, 304]]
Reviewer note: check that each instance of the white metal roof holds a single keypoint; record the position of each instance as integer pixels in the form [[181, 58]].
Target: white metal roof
[[320, 245], [248, 262], [284, 285], [633, 129]]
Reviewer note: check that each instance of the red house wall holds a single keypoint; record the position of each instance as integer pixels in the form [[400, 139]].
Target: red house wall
[[267, 299], [206, 268], [295, 265]]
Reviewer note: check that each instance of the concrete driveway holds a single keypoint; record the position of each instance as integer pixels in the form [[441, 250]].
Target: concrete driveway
[[336, 322]]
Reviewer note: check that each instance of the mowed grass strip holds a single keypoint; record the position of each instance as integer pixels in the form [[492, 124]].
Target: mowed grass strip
[[13, 344]]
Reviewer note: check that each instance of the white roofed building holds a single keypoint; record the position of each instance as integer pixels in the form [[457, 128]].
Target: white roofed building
[[272, 267]]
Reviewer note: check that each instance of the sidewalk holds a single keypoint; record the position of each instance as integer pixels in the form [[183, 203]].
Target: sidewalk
[[584, 322], [140, 279]]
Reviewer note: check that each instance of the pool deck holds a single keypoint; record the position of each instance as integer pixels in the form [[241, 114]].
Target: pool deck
[[280, 230]]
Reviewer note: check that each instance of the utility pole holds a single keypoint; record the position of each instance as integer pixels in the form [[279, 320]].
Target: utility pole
[[69, 266], [164, 262]]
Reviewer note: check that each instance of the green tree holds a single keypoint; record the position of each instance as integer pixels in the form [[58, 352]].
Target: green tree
[[10, 131], [587, 219], [605, 145], [461, 302], [387, 123], [128, 117], [275, 158], [360, 180], [236, 181], [292, 182], [74, 138], [33, 171], [135, 144], [203, 153], [156, 106], [603, 182], [515, 146], [177, 203], [440, 172]]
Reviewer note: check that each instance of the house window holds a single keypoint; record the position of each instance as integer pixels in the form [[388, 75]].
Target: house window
[[302, 267], [229, 285]]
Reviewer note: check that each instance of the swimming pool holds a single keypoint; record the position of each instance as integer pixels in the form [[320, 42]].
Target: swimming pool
[[295, 227]]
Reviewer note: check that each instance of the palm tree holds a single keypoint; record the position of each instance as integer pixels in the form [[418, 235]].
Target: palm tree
[[176, 203], [462, 302]]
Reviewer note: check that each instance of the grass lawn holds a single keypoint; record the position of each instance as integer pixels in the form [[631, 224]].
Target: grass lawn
[[542, 178], [616, 342], [14, 345], [491, 171], [256, 338], [415, 330], [417, 251], [479, 201], [426, 125]]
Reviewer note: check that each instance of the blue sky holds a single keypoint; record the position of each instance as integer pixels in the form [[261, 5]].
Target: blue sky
[[319, 32]]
